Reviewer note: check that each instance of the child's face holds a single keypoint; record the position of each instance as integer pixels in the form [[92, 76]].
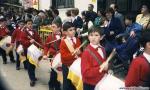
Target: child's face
[[29, 24], [94, 38], [21, 25], [99, 13], [55, 28], [147, 47], [127, 21], [108, 15], [71, 32], [2, 24]]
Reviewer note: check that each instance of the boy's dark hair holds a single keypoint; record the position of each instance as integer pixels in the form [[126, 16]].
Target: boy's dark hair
[[75, 11], [91, 5], [20, 21], [131, 17], [68, 13], [95, 29], [55, 11], [110, 10], [28, 20], [57, 23], [101, 11], [147, 4], [145, 37], [67, 25], [116, 6]]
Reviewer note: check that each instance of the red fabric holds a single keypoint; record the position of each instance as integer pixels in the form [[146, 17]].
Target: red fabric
[[50, 47], [139, 70], [16, 35], [25, 41], [66, 56], [90, 67], [3, 32]]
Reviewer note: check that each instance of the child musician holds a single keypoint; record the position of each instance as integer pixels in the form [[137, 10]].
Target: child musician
[[28, 37], [16, 37], [67, 47], [51, 48], [3, 33], [139, 71], [92, 57]]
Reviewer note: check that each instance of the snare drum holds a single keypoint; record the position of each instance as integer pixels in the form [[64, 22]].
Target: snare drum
[[34, 55], [56, 61], [109, 82], [3, 43], [75, 74]]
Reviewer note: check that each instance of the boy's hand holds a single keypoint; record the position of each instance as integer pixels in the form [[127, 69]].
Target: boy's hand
[[132, 34], [103, 67], [112, 32], [76, 51], [32, 41]]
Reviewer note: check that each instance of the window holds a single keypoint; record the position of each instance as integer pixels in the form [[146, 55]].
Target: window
[[63, 3]]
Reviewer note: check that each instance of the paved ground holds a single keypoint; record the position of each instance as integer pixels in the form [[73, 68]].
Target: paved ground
[[18, 80]]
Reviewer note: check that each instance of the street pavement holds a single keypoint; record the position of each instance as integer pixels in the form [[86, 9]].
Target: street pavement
[[19, 80]]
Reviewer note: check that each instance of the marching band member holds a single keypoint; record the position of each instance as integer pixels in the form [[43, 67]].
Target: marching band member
[[51, 49], [3, 33], [139, 71], [28, 37], [67, 47], [16, 40], [92, 57]]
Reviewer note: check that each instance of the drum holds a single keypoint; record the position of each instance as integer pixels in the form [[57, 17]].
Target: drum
[[20, 51], [75, 74], [109, 82], [56, 65], [34, 55], [56, 62], [3, 43]]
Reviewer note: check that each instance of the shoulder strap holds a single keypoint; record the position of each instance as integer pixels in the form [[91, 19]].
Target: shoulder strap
[[55, 45], [95, 57], [70, 47]]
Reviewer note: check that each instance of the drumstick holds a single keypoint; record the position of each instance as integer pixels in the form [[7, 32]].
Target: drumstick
[[105, 64], [79, 47], [111, 55], [54, 41], [35, 41]]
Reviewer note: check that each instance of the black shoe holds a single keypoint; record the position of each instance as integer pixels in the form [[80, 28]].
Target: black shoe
[[4, 62], [17, 68], [36, 79], [32, 83]]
